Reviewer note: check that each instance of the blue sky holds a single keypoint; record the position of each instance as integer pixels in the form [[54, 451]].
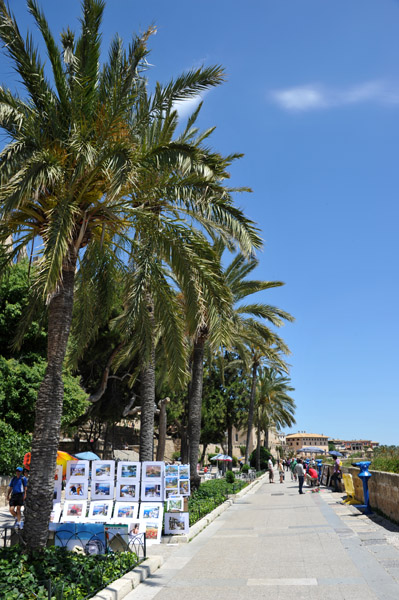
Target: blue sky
[[312, 100]]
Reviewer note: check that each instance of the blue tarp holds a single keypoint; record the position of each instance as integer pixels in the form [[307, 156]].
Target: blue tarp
[[87, 456]]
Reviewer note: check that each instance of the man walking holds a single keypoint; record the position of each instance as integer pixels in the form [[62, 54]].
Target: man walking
[[16, 494], [271, 472], [301, 474]]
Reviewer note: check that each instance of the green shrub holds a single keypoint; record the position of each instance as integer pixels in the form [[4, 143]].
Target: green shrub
[[230, 477], [13, 447], [235, 461], [176, 455], [244, 468], [264, 457]]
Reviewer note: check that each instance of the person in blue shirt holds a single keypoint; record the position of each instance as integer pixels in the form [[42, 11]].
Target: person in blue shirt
[[16, 494]]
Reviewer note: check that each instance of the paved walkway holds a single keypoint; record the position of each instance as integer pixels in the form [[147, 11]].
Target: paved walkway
[[275, 544]]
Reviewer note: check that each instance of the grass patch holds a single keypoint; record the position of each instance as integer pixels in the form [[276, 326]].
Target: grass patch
[[211, 494]]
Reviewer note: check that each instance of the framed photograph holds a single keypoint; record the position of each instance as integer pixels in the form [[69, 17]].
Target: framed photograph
[[125, 510], [184, 487], [103, 469], [171, 483], [153, 470], [151, 510], [184, 471], [74, 510], [102, 490], [127, 490], [75, 489], [175, 503], [57, 484], [77, 469], [58, 474], [55, 513], [169, 493], [153, 530], [176, 523], [172, 470], [128, 470], [151, 491], [100, 510]]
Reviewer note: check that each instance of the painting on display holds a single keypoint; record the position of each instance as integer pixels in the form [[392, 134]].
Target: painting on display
[[151, 491], [74, 510], [175, 503], [103, 469], [184, 471], [151, 510], [78, 469], [153, 530], [176, 523], [102, 490], [127, 490], [171, 470], [128, 470], [76, 489], [100, 510], [57, 484], [55, 513], [153, 471], [184, 487], [125, 510]]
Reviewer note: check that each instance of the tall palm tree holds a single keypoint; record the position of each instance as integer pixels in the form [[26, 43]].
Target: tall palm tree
[[275, 408], [64, 176], [254, 341]]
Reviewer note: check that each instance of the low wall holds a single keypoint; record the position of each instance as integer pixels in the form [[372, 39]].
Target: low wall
[[383, 491]]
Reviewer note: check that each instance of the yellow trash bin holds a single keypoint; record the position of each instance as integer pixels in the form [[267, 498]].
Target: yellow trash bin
[[349, 489]]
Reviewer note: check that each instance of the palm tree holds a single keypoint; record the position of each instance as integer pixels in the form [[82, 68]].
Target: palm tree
[[275, 408], [64, 176], [254, 341]]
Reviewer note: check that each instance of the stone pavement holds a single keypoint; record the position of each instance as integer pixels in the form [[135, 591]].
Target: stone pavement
[[275, 544]]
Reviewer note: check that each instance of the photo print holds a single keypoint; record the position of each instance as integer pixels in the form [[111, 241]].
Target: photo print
[[74, 510], [128, 470], [184, 487], [153, 532], [102, 490], [176, 523], [171, 483], [125, 510], [184, 471], [103, 469], [76, 490], [77, 469], [151, 491], [100, 510], [153, 470], [151, 510], [127, 491], [175, 503], [172, 470]]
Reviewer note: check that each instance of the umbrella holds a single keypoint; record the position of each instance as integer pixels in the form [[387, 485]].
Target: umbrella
[[311, 450], [62, 459], [222, 457], [87, 456], [335, 453]]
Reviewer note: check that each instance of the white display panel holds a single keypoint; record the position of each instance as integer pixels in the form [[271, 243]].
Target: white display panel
[[176, 523], [151, 510], [128, 470], [153, 471], [102, 490], [76, 489], [128, 490], [152, 490], [175, 503]]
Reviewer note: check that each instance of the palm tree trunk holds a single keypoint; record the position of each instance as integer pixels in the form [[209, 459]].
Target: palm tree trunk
[[184, 445], [147, 392], [195, 406], [230, 440], [258, 449], [39, 500], [267, 438], [251, 409], [162, 428]]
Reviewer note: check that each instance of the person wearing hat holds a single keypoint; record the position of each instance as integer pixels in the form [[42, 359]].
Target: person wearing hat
[[16, 494]]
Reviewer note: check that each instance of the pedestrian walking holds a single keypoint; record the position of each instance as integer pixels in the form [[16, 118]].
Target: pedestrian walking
[[292, 467], [301, 475], [270, 468], [16, 495], [281, 471]]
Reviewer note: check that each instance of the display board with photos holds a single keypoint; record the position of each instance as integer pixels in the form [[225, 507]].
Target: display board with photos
[[125, 511], [100, 510], [151, 515], [176, 523], [152, 481]]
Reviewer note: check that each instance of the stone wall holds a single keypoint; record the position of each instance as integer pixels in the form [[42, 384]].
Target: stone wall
[[383, 491]]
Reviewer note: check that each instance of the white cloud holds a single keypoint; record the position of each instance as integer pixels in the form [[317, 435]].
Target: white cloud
[[316, 96], [186, 107]]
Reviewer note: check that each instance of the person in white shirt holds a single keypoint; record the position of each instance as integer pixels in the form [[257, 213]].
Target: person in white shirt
[[271, 472]]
